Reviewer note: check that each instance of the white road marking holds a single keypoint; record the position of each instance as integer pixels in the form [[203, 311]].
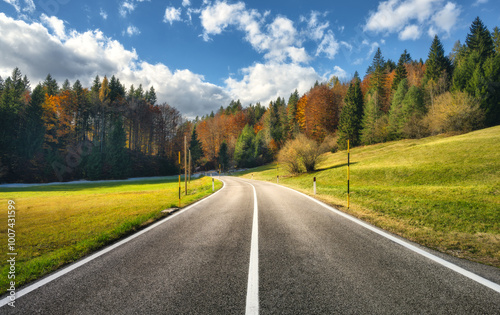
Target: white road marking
[[252, 306], [80, 263], [487, 283]]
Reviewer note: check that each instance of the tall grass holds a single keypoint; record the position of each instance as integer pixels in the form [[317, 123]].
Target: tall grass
[[442, 192], [58, 224]]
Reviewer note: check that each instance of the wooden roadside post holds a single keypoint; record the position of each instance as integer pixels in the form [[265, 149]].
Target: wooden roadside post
[[348, 175], [185, 167], [314, 185], [180, 167]]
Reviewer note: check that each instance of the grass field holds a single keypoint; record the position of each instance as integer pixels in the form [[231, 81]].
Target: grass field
[[58, 224], [442, 192]]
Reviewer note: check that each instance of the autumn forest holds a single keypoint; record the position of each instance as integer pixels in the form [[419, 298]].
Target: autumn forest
[[52, 132]]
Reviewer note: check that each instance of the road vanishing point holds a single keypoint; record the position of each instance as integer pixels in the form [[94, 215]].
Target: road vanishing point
[[259, 248]]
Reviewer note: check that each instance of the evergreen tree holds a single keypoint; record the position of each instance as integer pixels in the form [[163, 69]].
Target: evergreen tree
[[401, 69], [413, 111], [96, 85], [151, 96], [223, 157], [117, 154], [66, 85], [292, 126], [478, 71], [244, 152], [479, 39], [496, 39], [50, 86], [379, 76], [351, 116], [32, 125], [396, 117], [437, 63], [195, 147]]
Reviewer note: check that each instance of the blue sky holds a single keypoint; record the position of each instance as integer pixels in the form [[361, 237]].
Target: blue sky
[[200, 54]]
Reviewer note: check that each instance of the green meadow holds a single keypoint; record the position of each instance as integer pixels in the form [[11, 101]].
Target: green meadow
[[58, 224], [442, 192]]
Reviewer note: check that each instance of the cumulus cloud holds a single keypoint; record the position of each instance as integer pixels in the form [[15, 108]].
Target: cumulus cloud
[[404, 16], [447, 17], [328, 46], [39, 49], [265, 82], [410, 32], [339, 72], [171, 15], [279, 40], [37, 52], [55, 24], [186, 3]]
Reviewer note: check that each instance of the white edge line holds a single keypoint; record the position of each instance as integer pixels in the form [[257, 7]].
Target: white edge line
[[252, 301], [487, 283], [82, 262]]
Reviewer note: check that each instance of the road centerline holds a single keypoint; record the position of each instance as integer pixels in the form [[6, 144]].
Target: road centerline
[[252, 301]]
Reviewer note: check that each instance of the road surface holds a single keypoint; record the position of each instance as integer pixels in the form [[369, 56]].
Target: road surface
[[260, 248]]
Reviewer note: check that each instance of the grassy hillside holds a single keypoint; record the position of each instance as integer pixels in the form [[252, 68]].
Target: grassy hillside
[[58, 224], [442, 192]]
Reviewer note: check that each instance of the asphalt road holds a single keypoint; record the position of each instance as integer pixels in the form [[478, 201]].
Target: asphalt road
[[306, 258]]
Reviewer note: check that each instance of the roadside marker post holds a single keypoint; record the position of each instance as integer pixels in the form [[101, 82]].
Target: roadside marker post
[[348, 175], [314, 184], [213, 185]]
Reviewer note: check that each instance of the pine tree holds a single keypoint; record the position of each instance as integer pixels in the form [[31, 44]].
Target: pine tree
[[244, 150], [195, 147], [351, 116], [479, 39], [292, 126], [117, 155], [496, 39], [401, 69], [437, 63], [223, 157], [50, 86], [396, 117], [379, 76]]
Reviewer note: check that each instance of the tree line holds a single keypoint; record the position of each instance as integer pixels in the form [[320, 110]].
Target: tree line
[[107, 131]]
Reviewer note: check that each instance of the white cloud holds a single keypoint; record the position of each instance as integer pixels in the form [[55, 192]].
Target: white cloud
[[103, 14], [478, 2], [410, 32], [215, 18], [126, 7], [29, 6], [447, 17], [265, 82], [279, 40], [84, 55], [171, 15], [328, 46], [186, 3], [339, 72], [55, 24], [132, 30], [405, 16]]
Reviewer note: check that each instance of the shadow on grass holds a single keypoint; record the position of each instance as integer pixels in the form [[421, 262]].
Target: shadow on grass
[[335, 166], [88, 185]]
